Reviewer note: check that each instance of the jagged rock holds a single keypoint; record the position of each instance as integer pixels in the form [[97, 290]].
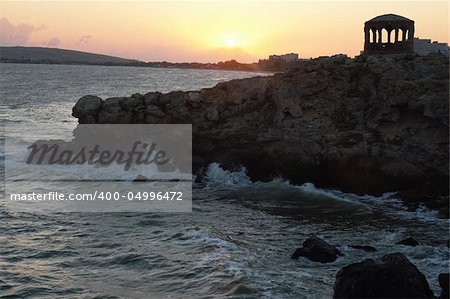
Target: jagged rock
[[154, 114], [194, 96], [444, 283], [138, 96], [86, 109], [122, 110], [392, 276], [364, 247], [151, 98], [212, 114], [317, 250], [132, 104], [112, 113], [140, 178], [366, 125], [408, 241]]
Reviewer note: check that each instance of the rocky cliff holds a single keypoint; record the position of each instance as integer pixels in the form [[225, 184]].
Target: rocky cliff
[[365, 125]]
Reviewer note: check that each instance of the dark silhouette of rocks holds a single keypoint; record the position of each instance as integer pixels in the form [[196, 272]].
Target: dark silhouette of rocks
[[140, 178], [392, 276], [444, 283], [408, 241], [368, 125], [87, 108], [317, 250], [364, 248]]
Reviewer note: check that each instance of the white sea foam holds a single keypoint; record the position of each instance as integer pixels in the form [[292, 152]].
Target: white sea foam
[[388, 203], [219, 254], [217, 177]]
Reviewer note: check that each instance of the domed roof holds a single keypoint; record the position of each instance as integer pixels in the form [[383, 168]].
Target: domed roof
[[389, 18]]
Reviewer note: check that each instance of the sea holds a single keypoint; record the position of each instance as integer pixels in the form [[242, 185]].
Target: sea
[[236, 242]]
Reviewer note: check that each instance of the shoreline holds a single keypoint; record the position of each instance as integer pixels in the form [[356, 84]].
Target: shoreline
[[149, 66]]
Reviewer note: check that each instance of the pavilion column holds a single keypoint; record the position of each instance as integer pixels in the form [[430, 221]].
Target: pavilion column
[[404, 34], [411, 34], [389, 36], [366, 35], [380, 32], [396, 35]]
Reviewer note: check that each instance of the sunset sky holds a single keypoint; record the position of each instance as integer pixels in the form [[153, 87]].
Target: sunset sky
[[208, 31]]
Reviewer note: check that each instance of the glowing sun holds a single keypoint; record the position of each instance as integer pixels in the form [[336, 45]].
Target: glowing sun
[[230, 43]]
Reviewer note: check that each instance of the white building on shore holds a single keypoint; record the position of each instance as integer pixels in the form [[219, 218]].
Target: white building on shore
[[291, 57], [425, 47]]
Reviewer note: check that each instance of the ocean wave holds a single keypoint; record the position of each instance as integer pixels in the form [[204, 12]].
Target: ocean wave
[[217, 177], [388, 203]]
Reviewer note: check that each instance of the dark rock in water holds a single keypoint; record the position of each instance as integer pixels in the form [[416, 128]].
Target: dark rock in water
[[87, 108], [444, 283], [140, 178], [392, 276], [364, 247], [409, 242], [317, 250]]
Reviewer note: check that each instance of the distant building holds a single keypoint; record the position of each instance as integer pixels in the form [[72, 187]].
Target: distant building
[[291, 57], [437, 47], [424, 47], [278, 62]]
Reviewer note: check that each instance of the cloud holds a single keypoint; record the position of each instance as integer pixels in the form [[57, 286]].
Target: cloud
[[12, 35], [54, 42], [85, 39]]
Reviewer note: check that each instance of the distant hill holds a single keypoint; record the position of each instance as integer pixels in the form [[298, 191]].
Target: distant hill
[[59, 56], [41, 55]]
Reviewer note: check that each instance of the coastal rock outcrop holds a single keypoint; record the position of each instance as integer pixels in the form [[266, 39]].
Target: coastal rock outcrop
[[87, 108], [365, 125], [392, 276], [317, 250]]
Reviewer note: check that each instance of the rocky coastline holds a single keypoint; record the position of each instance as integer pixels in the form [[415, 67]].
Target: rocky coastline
[[367, 125]]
